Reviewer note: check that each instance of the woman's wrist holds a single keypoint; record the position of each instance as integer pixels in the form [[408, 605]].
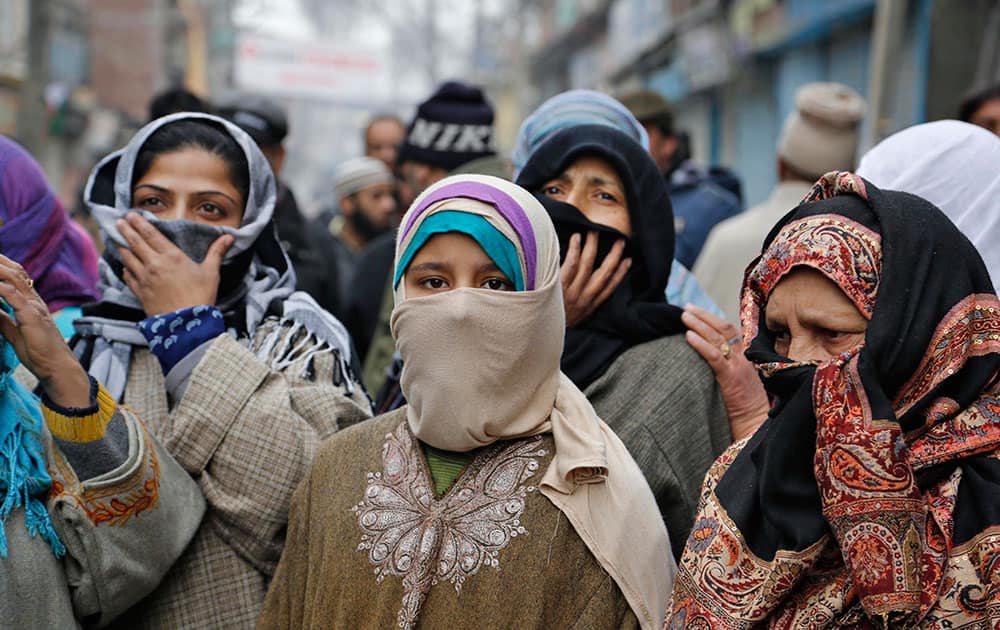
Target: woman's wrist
[[745, 424], [172, 336], [69, 387]]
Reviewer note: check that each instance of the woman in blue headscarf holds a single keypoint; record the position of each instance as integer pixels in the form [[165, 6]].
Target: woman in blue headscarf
[[92, 512]]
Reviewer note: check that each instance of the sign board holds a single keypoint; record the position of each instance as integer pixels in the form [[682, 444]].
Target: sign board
[[320, 70]]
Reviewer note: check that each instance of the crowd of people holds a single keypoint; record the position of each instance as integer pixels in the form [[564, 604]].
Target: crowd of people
[[577, 388]]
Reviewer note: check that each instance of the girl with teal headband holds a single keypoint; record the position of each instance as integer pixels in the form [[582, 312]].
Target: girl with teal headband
[[497, 497], [445, 466], [493, 242]]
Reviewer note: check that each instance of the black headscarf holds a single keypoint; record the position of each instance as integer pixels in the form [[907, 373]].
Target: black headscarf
[[637, 311], [857, 447]]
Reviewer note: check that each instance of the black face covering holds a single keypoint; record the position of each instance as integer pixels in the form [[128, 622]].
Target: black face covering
[[569, 221], [637, 311], [195, 239]]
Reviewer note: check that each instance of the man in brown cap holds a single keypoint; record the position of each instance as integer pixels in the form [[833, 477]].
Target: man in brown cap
[[821, 135]]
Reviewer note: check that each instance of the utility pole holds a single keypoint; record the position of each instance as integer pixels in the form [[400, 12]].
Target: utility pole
[[32, 118], [478, 46], [430, 29], [887, 33]]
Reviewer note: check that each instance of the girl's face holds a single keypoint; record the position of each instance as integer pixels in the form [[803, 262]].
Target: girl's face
[[190, 183], [452, 261]]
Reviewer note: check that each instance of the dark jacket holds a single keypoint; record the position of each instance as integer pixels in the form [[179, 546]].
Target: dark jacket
[[315, 271], [699, 203], [371, 274]]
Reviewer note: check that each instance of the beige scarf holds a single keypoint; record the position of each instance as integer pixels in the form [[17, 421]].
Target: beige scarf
[[482, 366]]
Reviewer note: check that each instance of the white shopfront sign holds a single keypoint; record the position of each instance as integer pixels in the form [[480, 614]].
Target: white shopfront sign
[[311, 70]]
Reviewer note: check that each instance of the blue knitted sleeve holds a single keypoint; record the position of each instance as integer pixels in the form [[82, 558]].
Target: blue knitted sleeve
[[172, 336]]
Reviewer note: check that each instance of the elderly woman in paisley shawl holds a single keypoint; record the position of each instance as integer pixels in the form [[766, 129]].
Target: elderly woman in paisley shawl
[[868, 499], [496, 498]]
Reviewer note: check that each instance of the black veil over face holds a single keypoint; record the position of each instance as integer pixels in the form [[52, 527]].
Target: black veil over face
[[637, 311]]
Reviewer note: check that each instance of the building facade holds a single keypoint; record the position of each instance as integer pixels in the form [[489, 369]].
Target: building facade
[[731, 68]]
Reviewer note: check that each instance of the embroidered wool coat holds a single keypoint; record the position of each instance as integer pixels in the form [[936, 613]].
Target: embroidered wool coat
[[371, 546], [247, 435]]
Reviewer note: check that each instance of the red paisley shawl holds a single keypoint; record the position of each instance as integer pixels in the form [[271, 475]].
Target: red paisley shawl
[[871, 496]]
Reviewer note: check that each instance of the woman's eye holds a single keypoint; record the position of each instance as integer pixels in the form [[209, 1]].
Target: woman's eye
[[836, 335], [149, 202], [497, 284], [433, 283], [606, 196], [551, 191], [212, 209]]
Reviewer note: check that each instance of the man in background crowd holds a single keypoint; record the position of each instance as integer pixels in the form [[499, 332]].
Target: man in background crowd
[[983, 108], [450, 129], [176, 99], [700, 198], [267, 123], [383, 136], [366, 209], [819, 136]]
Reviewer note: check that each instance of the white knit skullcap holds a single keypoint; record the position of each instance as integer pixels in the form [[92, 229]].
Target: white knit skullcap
[[359, 173], [821, 135]]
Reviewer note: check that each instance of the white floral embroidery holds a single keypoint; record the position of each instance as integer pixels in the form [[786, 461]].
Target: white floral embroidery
[[408, 532]]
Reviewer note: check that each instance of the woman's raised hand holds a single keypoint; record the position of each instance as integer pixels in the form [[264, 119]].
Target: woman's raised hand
[[719, 343], [586, 288], [161, 275], [37, 341]]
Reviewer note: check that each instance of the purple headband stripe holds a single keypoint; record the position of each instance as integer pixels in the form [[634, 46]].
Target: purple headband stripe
[[505, 205]]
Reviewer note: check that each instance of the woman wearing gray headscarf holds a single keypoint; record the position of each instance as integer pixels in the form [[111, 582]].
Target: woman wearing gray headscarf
[[201, 331]]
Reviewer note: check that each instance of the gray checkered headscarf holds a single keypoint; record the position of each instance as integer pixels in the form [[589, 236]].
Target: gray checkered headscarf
[[257, 277]]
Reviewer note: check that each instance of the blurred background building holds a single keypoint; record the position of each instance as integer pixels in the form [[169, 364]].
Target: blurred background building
[[732, 68], [76, 76]]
